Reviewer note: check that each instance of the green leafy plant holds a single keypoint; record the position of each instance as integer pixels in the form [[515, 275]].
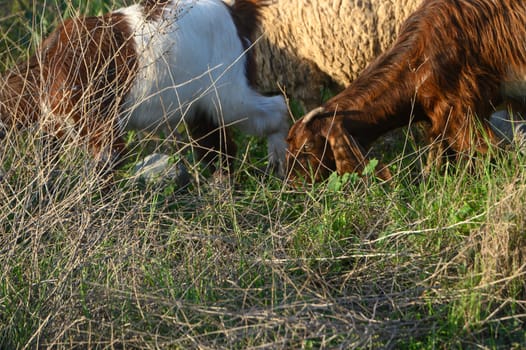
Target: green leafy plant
[[425, 261]]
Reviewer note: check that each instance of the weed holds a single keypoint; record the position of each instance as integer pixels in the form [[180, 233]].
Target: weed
[[421, 262]]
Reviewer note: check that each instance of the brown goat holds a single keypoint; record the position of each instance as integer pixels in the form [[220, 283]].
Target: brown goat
[[450, 65]]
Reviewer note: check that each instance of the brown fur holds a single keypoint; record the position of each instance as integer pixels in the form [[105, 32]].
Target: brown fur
[[81, 73], [153, 9], [448, 67], [247, 17]]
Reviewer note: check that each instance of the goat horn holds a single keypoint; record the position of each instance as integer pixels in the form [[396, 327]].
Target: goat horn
[[309, 116]]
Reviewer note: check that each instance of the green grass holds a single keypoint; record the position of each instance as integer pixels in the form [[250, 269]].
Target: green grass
[[420, 263]]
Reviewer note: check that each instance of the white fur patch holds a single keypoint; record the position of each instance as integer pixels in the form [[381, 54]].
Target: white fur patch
[[193, 60]]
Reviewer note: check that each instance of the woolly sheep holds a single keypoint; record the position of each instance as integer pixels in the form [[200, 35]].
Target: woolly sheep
[[307, 45]]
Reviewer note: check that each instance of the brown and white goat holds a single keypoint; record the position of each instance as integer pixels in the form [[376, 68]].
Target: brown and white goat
[[152, 66], [450, 65]]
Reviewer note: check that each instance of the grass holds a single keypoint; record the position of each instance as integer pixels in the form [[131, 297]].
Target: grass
[[420, 263]]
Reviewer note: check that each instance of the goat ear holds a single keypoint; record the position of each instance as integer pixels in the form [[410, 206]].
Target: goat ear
[[349, 156]]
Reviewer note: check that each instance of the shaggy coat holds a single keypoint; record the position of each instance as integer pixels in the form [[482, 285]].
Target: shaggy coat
[[453, 61], [311, 45], [152, 66]]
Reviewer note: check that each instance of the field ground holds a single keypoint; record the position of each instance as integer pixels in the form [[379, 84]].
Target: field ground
[[422, 262]]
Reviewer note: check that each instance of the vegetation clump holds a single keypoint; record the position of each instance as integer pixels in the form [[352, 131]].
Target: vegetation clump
[[96, 262]]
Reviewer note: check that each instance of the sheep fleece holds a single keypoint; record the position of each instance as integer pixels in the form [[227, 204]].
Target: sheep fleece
[[306, 45]]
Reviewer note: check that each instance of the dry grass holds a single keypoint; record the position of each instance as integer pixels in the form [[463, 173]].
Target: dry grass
[[95, 262], [258, 265]]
